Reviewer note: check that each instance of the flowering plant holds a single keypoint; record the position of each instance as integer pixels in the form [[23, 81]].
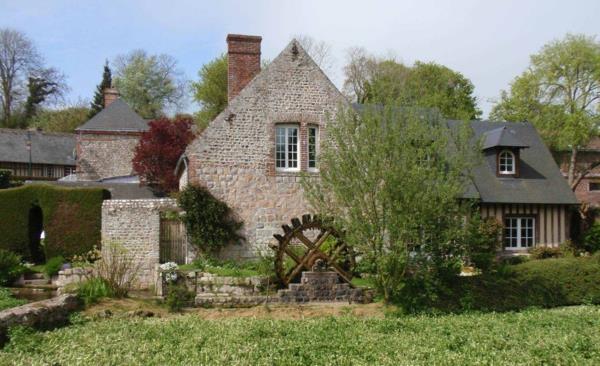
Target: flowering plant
[[169, 269]]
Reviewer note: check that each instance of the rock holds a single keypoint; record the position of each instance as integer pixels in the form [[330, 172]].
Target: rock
[[41, 314]]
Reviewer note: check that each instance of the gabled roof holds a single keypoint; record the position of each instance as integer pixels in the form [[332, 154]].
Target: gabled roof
[[46, 147], [502, 137], [117, 117], [539, 181]]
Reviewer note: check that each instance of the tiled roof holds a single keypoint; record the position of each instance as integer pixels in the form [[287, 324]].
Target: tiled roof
[[46, 147], [117, 117]]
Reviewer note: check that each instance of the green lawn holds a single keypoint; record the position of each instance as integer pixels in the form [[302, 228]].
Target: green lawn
[[563, 336], [7, 300]]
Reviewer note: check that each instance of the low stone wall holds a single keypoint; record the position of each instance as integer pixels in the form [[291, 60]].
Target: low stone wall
[[72, 275], [208, 284], [44, 314], [135, 225]]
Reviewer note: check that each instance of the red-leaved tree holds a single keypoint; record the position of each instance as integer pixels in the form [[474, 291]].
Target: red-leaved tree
[[159, 149]]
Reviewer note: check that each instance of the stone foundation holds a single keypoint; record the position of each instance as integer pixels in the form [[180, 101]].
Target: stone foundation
[[72, 275], [322, 286]]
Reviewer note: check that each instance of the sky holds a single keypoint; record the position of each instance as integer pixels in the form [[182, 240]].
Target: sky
[[487, 41]]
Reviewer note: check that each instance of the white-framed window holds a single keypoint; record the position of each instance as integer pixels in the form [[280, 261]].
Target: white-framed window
[[313, 147], [519, 232], [287, 147], [69, 170], [506, 162], [50, 171]]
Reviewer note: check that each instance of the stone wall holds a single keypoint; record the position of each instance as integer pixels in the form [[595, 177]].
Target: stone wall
[[44, 314], [135, 225], [104, 154], [235, 156]]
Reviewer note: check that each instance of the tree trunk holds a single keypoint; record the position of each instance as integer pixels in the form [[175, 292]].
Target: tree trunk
[[572, 162]]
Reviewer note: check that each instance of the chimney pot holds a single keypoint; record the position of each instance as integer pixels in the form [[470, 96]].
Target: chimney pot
[[110, 95], [243, 62]]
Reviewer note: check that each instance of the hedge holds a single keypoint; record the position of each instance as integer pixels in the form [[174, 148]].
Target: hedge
[[71, 218], [541, 283]]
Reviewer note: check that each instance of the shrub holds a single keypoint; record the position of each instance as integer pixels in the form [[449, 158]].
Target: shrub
[[210, 223], [7, 300], [10, 267], [591, 238], [94, 289], [53, 265], [542, 252], [71, 218], [483, 241], [261, 267], [178, 297], [118, 268], [4, 178], [540, 283]]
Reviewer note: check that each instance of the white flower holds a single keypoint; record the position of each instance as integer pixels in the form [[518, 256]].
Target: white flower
[[169, 269]]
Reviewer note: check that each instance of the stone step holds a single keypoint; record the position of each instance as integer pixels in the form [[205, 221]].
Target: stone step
[[39, 282], [34, 276]]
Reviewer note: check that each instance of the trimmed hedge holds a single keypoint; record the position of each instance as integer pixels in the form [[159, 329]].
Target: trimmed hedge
[[542, 283], [71, 218]]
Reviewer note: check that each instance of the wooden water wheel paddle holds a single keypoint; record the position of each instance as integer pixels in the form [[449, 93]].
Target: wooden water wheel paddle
[[306, 241]]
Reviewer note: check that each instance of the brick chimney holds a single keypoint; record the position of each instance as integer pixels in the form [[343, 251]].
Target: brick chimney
[[110, 95], [243, 62]]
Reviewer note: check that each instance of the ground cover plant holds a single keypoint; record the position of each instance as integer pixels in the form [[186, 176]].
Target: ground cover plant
[[7, 300], [229, 268], [557, 336]]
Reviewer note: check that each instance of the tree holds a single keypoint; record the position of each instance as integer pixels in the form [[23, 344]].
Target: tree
[[43, 85], [18, 58], [319, 51], [396, 197], [98, 103], [211, 90], [149, 83], [560, 94], [158, 151], [430, 85]]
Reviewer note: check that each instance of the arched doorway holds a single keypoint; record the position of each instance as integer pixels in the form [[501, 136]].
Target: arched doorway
[[36, 226]]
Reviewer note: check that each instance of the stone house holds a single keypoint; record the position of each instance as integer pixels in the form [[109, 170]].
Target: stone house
[[252, 154]]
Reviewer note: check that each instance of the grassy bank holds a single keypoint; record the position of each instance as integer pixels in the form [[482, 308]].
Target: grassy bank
[[556, 336]]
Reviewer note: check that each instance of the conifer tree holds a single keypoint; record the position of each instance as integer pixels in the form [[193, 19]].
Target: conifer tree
[[98, 103]]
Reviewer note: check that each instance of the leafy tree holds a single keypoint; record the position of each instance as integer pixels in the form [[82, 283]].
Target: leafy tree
[[430, 85], [98, 103], [158, 151], [560, 94], [397, 197], [211, 90], [61, 120], [47, 83], [149, 83]]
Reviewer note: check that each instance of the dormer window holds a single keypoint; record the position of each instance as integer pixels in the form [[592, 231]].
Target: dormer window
[[507, 163]]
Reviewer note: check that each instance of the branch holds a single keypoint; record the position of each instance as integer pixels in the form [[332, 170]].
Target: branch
[[583, 174]]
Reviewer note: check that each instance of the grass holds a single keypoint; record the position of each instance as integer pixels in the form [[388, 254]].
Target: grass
[[556, 336], [7, 300]]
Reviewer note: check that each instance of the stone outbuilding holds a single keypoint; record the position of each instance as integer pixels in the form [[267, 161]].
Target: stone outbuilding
[[106, 143]]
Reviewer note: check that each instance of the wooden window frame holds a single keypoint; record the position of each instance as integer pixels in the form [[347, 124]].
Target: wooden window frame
[[516, 164], [286, 168], [535, 231]]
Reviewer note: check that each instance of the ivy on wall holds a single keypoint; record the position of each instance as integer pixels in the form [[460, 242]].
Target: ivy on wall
[[209, 222], [71, 218]]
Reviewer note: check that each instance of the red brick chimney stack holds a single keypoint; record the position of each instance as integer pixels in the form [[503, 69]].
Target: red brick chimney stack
[[110, 95], [243, 62]]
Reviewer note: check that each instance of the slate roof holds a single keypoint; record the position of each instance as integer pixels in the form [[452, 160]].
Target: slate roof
[[502, 137], [540, 180], [117, 117], [46, 147]]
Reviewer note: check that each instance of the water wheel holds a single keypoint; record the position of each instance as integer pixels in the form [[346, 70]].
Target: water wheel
[[305, 242]]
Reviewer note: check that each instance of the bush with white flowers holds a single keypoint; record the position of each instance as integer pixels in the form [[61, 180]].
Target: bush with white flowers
[[169, 270]]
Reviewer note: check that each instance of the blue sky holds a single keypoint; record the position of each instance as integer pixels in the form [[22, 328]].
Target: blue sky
[[488, 41]]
